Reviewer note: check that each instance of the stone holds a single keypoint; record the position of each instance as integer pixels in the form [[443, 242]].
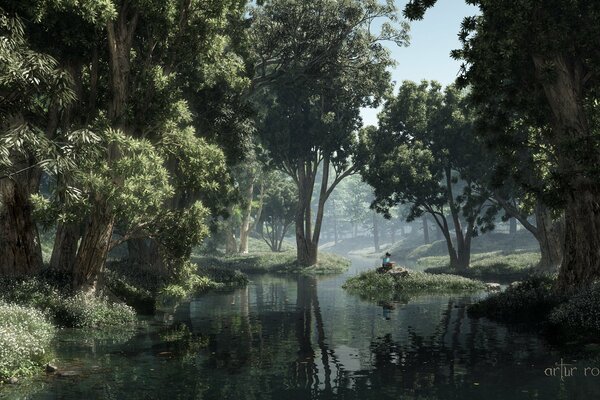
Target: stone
[[50, 369], [492, 287], [68, 373], [13, 380]]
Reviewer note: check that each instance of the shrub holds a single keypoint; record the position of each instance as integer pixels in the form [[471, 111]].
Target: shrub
[[64, 307], [527, 302], [579, 314], [25, 336], [88, 311]]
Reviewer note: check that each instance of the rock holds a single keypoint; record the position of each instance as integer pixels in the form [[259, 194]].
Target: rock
[[514, 284], [68, 373], [50, 369], [399, 272], [492, 287], [13, 380]]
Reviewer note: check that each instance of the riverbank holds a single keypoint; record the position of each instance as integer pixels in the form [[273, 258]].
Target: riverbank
[[274, 262], [535, 304], [501, 266]]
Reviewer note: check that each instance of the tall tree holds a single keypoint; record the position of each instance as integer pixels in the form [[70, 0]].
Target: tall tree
[[547, 76], [425, 154], [316, 64]]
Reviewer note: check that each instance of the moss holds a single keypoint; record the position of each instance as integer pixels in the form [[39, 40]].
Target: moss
[[498, 265], [386, 286]]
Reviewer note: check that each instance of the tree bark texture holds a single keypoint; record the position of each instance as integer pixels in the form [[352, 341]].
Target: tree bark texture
[[577, 157], [20, 249], [64, 252], [94, 247]]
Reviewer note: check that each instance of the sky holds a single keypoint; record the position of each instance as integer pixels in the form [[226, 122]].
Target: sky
[[428, 55]]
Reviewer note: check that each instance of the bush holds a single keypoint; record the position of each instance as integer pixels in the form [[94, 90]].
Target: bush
[[25, 336], [530, 301], [389, 286], [64, 307], [580, 314], [88, 311]]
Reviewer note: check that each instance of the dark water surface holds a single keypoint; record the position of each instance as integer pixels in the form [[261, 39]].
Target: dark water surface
[[287, 337]]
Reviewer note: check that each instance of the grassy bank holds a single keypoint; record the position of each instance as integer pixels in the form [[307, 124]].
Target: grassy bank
[[534, 303], [32, 309], [500, 266], [378, 286], [283, 262]]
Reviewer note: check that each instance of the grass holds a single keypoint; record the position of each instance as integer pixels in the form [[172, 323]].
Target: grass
[[497, 265], [25, 337], [412, 248], [377, 286], [262, 260], [283, 262]]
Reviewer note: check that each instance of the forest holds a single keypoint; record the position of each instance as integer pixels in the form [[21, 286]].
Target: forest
[[166, 162]]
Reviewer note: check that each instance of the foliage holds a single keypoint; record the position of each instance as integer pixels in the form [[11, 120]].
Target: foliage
[[425, 154], [279, 211], [25, 336], [312, 81], [530, 301], [579, 314], [65, 308], [382, 286]]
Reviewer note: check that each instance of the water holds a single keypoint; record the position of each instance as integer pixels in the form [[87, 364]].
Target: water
[[286, 337]]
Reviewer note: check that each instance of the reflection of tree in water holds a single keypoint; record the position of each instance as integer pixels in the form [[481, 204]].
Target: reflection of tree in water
[[305, 370], [463, 359]]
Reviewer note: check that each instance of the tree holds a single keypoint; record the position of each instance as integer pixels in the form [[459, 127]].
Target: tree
[[313, 79], [279, 211], [425, 154], [33, 90], [547, 76], [161, 73]]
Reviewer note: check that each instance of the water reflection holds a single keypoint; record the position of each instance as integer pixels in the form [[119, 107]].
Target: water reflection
[[304, 338]]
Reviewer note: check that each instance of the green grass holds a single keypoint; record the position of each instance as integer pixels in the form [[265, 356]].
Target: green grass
[[273, 262], [25, 337], [412, 247], [497, 265], [376, 286]]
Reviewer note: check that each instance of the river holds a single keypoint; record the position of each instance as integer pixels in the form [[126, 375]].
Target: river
[[288, 337]]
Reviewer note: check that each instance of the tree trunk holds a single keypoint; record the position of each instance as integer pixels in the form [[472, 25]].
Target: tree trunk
[[64, 252], [376, 232], [20, 249], [549, 235], [93, 250], [512, 226], [425, 230], [230, 241], [306, 253], [245, 226], [581, 259]]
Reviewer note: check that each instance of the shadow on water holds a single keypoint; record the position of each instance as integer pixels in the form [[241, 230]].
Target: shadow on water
[[288, 337]]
